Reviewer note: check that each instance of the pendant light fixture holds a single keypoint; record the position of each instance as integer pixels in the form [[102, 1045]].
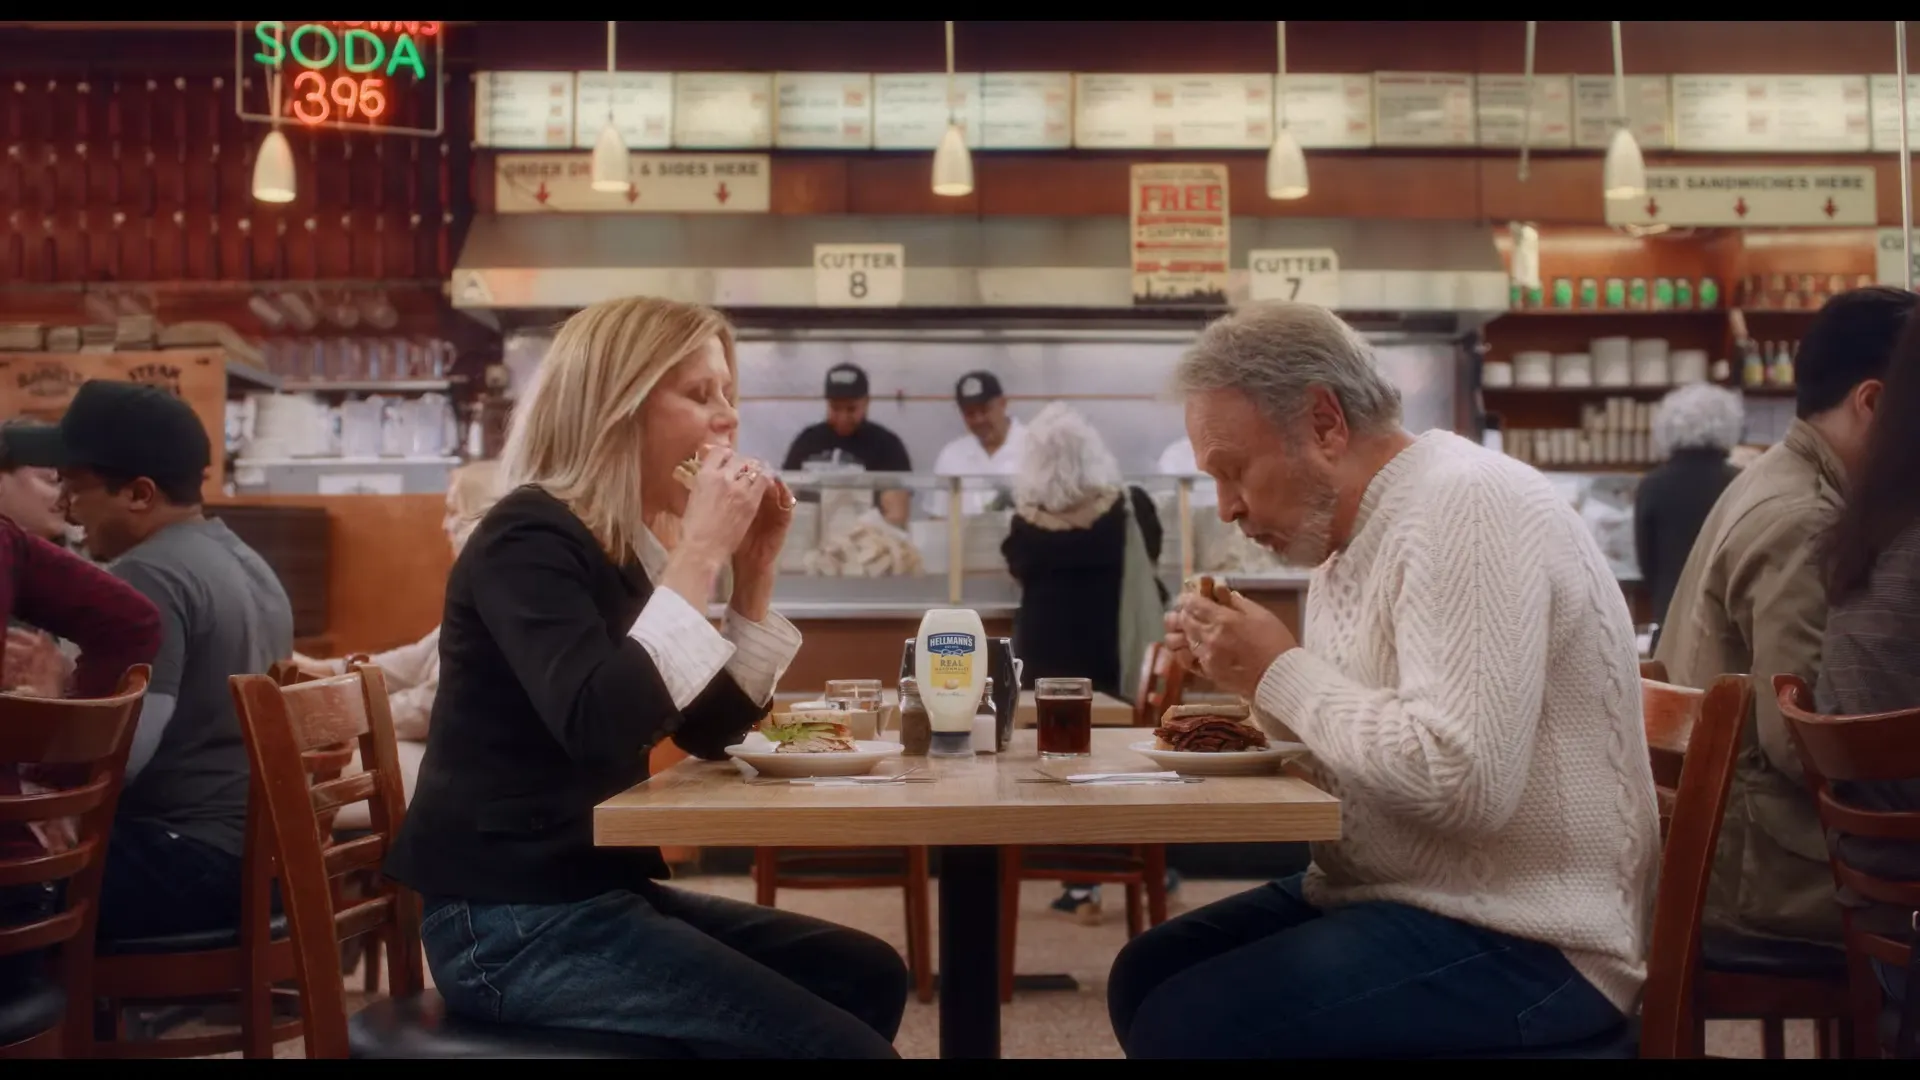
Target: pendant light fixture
[[1286, 165], [952, 161], [1625, 174], [273, 176], [611, 171]]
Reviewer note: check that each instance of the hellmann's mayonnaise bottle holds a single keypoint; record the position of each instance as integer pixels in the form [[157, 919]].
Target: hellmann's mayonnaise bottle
[[950, 668]]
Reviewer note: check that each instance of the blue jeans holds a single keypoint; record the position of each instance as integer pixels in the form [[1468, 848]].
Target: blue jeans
[[726, 979], [1266, 975]]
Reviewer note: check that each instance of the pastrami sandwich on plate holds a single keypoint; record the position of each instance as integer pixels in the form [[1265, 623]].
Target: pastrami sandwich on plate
[[1209, 729]]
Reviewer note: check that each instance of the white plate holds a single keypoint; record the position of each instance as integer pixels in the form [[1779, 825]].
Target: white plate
[[1226, 763], [855, 763]]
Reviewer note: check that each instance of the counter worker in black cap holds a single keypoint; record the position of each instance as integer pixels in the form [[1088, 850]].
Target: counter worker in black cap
[[133, 458], [992, 447], [847, 437]]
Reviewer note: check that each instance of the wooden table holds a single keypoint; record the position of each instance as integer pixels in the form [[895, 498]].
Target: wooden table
[[1108, 711], [976, 805]]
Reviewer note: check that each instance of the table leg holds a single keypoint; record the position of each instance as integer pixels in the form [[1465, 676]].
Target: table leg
[[969, 952]]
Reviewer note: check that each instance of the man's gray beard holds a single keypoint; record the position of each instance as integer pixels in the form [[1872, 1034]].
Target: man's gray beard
[[1312, 542]]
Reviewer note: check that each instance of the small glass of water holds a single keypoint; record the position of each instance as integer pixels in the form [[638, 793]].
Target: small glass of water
[[855, 694]]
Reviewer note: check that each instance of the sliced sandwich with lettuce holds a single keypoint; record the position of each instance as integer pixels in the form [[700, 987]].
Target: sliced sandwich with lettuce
[[807, 733]]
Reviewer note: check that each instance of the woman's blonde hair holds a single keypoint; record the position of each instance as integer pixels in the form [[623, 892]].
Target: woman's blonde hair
[[576, 430], [472, 489]]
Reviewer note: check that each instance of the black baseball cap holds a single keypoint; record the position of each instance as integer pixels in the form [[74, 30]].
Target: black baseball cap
[[122, 429], [846, 382], [977, 388]]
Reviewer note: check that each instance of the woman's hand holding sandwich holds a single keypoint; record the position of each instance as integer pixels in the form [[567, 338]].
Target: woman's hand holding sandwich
[[728, 492]]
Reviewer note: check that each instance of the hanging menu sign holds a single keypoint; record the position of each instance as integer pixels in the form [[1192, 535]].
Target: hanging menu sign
[[1790, 113], [910, 112], [641, 104], [821, 111], [1886, 112], [1412, 108], [1179, 221], [1132, 112], [1503, 111], [1734, 197], [523, 110], [1026, 110], [1649, 112], [1327, 111], [722, 110]]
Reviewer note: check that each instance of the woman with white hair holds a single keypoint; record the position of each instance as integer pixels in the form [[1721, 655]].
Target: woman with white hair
[[573, 641], [1695, 428], [1084, 557]]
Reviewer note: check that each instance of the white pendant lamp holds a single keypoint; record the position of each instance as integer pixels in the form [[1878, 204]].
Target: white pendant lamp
[[1286, 164], [1624, 176], [611, 165], [952, 161], [273, 169], [273, 176]]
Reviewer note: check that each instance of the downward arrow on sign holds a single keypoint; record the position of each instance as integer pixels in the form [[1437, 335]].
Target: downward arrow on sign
[[541, 195], [1740, 207], [722, 193], [1830, 208], [1653, 208], [633, 193]]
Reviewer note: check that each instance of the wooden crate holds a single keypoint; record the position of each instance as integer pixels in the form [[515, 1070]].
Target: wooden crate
[[41, 385]]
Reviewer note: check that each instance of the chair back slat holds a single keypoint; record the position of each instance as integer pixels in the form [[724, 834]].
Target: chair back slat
[[1711, 721], [284, 726], [59, 803]]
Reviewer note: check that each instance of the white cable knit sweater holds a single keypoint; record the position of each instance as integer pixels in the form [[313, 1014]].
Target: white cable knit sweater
[[1469, 686]]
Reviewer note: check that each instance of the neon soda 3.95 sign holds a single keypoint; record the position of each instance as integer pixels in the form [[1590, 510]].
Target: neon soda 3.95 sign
[[363, 76]]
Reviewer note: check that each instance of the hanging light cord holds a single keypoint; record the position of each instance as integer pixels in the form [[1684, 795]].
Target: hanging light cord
[[952, 112], [1280, 83], [1906, 154], [1526, 117], [1619, 80], [611, 31]]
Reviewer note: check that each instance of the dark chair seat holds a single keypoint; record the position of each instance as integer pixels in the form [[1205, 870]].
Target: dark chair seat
[[1739, 954], [201, 941], [1622, 1043], [419, 1028], [30, 1008]]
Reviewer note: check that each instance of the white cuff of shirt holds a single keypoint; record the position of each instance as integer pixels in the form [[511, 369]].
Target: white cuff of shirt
[[686, 649], [762, 652], [689, 653]]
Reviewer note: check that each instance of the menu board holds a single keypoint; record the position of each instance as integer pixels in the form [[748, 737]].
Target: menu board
[[1026, 110], [1791, 113], [1886, 112], [1416, 108], [722, 110], [910, 112], [642, 106], [1503, 110], [1325, 111], [1131, 112], [822, 111], [1649, 111], [523, 110]]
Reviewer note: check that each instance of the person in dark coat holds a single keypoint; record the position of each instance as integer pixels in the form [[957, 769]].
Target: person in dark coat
[[1695, 427]]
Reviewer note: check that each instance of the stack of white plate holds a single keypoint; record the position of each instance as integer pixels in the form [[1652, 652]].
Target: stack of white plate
[[1612, 361], [1650, 362], [1573, 369], [1533, 368], [1688, 366]]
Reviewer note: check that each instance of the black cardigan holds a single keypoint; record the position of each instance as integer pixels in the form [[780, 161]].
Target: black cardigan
[[1068, 622], [1669, 509], [545, 709]]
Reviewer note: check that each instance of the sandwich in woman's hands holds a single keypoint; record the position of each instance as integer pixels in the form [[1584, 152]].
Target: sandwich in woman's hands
[[807, 733], [687, 471], [1209, 729]]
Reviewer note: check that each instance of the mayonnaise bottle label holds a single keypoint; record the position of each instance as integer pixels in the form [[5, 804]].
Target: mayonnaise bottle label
[[950, 657]]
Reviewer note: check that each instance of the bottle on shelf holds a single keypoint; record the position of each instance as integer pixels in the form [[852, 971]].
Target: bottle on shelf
[[1780, 371], [1753, 364]]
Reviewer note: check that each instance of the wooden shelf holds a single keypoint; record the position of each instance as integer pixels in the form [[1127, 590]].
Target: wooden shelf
[[367, 386], [1576, 391], [1589, 313]]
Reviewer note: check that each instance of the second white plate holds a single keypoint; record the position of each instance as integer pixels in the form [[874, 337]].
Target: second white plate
[[1225, 763]]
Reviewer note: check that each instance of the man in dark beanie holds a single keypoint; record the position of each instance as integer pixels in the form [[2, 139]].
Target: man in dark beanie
[[1751, 599]]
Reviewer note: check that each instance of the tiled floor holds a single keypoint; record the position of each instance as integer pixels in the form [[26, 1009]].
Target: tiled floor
[[1061, 1024]]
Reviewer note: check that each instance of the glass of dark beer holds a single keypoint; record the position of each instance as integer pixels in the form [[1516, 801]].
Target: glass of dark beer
[[1064, 712]]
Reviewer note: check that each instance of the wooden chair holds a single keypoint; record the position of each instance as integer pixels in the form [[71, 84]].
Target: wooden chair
[[42, 1016], [280, 725], [1692, 737], [1140, 868], [1845, 750], [858, 868]]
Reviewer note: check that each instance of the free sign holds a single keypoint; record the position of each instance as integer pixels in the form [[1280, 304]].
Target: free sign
[[859, 275], [1305, 275]]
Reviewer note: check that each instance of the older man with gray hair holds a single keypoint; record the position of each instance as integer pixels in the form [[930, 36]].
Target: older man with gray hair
[[1468, 686]]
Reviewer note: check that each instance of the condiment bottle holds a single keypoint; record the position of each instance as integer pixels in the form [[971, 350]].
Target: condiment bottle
[[986, 724], [915, 734], [950, 668]]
